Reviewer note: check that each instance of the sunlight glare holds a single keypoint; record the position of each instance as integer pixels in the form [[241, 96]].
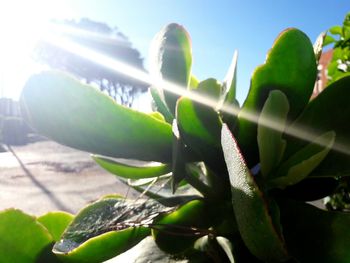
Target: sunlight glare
[[303, 133], [22, 23]]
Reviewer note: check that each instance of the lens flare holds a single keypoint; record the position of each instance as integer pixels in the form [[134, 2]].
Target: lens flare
[[303, 133]]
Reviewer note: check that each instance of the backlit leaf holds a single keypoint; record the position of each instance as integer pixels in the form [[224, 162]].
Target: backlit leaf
[[200, 125], [130, 171], [291, 68], [329, 111], [56, 223], [23, 239], [171, 60], [302, 163], [271, 125], [336, 30], [80, 116]]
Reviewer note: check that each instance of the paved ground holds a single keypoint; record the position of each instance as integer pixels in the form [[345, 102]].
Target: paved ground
[[45, 176]]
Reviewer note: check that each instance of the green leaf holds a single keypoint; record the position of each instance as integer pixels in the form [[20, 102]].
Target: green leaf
[[171, 60], [226, 245], [193, 82], [56, 223], [130, 171], [80, 116], [254, 215], [302, 163], [157, 115], [336, 30], [177, 231], [271, 126], [179, 162], [161, 106], [229, 84], [105, 229], [314, 235], [330, 110], [328, 40], [200, 125], [23, 239], [291, 68]]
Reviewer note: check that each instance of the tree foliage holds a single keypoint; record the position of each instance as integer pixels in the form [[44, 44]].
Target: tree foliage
[[339, 66], [102, 39]]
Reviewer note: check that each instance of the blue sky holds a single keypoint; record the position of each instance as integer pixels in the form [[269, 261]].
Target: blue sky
[[217, 28]]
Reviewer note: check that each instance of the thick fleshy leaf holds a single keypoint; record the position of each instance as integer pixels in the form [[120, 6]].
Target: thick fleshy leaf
[[291, 68], [130, 171], [161, 106], [193, 82], [23, 239], [228, 104], [315, 235], [80, 116], [330, 110], [200, 125], [254, 214], [179, 162], [157, 115], [229, 84], [302, 163], [56, 223], [177, 231], [252, 209], [271, 126], [105, 229], [171, 60]]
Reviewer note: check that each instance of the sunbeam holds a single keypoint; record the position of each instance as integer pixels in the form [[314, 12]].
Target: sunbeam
[[303, 133]]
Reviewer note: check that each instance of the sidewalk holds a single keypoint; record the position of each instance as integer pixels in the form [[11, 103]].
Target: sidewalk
[[45, 176]]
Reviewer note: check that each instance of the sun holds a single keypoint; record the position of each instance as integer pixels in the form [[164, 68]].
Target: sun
[[22, 23]]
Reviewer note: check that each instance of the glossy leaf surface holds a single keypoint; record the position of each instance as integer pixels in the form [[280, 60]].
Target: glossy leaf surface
[[80, 116], [23, 239], [271, 125], [330, 110], [291, 68], [56, 223], [314, 235], [129, 171], [171, 60], [252, 210], [105, 229]]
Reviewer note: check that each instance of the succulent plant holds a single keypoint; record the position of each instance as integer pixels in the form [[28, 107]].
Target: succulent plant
[[252, 170]]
